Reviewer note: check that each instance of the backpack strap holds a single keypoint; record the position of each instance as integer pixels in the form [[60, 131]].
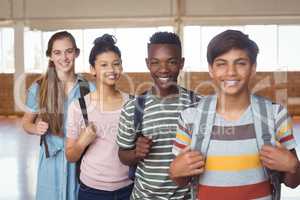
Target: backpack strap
[[138, 115], [193, 98], [43, 138], [139, 107], [84, 90], [264, 123], [206, 110]]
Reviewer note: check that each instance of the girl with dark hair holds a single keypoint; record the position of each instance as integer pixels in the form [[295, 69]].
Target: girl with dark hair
[[47, 100], [102, 174]]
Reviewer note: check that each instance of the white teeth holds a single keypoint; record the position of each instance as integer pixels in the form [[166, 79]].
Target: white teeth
[[164, 79], [230, 83], [112, 77]]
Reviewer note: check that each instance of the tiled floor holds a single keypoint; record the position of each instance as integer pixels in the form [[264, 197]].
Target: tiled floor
[[18, 162]]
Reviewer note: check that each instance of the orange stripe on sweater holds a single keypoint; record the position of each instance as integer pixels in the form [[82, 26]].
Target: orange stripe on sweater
[[253, 191]]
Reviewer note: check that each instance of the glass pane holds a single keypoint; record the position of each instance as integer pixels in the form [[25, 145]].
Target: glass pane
[[34, 56], [265, 37], [7, 50], [192, 48], [133, 45], [289, 47]]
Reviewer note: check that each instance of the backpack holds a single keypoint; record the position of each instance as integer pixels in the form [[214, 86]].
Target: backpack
[[264, 124], [139, 106], [84, 90]]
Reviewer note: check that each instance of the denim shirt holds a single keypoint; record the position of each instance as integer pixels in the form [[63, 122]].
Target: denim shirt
[[56, 176]]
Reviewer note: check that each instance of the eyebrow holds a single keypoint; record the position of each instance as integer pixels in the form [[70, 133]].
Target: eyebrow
[[236, 60], [71, 48]]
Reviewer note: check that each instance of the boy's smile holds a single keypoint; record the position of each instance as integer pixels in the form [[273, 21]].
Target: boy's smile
[[164, 62], [232, 71]]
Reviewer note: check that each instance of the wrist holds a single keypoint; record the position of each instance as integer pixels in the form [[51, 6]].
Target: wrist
[[136, 157], [81, 144], [295, 167]]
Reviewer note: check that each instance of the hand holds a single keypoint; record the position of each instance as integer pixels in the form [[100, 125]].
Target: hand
[[187, 163], [142, 147], [87, 136], [278, 158], [41, 127]]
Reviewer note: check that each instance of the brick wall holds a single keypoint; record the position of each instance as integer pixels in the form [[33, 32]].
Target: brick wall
[[277, 86], [6, 94]]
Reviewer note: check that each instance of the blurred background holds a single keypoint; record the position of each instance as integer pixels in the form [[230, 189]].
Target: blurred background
[[26, 26]]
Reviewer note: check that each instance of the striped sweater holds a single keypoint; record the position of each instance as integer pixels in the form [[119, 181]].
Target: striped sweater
[[159, 123], [233, 169]]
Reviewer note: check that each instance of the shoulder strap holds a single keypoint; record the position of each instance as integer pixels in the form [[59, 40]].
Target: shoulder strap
[[206, 110], [193, 98], [139, 112], [84, 90], [264, 123], [84, 87]]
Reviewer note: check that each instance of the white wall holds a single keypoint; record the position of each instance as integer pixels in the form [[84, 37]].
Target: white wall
[[100, 13]]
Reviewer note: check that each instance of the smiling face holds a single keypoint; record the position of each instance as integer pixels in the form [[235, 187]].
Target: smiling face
[[164, 62], [232, 71], [107, 68], [63, 55]]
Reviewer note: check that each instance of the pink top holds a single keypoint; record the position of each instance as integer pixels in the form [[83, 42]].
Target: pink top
[[100, 167]]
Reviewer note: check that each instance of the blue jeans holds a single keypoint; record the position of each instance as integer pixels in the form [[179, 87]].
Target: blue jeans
[[87, 193]]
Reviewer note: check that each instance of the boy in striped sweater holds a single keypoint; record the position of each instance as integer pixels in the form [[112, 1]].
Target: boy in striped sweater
[[231, 164], [152, 152]]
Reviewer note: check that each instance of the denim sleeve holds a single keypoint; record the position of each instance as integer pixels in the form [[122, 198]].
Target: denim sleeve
[[32, 98]]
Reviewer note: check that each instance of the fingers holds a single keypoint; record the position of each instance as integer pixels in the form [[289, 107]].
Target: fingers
[[188, 164], [92, 127], [280, 146], [268, 163], [41, 127], [143, 146], [194, 159], [186, 149]]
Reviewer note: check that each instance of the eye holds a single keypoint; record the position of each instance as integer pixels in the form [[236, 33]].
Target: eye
[[241, 63], [117, 64], [71, 50], [220, 64], [103, 65], [56, 52], [172, 62], [154, 62]]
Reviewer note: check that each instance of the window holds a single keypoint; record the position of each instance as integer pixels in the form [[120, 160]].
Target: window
[[278, 45], [131, 41], [289, 47], [7, 50]]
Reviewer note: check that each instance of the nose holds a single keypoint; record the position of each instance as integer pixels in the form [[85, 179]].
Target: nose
[[163, 67], [65, 55], [231, 70]]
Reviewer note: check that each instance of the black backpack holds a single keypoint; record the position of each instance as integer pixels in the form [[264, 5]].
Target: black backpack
[[139, 106]]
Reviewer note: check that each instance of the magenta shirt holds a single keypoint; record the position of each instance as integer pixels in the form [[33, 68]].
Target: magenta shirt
[[100, 168]]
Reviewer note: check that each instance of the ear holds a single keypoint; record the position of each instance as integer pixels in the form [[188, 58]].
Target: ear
[[253, 70], [182, 63], [93, 70], [77, 52], [147, 63], [210, 71]]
